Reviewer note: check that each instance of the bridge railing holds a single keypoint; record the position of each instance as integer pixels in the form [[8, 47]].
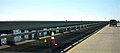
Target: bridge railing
[[11, 41]]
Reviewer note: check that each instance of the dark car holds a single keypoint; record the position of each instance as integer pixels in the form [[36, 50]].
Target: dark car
[[113, 22]]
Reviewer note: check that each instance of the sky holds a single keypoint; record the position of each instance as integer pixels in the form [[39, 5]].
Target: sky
[[59, 10]]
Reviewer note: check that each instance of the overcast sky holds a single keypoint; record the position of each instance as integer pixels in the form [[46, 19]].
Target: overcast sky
[[59, 10]]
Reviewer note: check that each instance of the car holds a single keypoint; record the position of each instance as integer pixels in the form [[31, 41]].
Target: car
[[113, 22]]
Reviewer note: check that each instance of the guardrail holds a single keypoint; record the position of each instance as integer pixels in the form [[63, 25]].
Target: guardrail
[[11, 41]]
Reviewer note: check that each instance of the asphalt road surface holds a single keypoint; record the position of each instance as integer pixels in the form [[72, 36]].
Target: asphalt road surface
[[107, 40]]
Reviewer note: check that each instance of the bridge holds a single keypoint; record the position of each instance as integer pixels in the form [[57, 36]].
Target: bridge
[[33, 36]]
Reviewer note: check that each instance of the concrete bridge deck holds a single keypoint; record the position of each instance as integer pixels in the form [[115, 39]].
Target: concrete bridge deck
[[107, 40]]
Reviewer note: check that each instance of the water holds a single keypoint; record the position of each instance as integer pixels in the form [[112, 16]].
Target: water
[[17, 38], [33, 35], [57, 30], [26, 36], [4, 41], [45, 33]]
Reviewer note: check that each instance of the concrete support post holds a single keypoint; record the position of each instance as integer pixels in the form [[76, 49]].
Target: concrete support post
[[33, 34], [36, 35], [23, 38], [55, 32], [81, 26], [61, 31], [0, 42], [85, 25], [66, 29], [76, 27], [41, 34], [69, 30], [10, 41], [49, 32], [30, 37]]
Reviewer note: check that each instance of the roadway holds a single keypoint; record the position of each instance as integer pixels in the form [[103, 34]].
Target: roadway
[[107, 40]]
